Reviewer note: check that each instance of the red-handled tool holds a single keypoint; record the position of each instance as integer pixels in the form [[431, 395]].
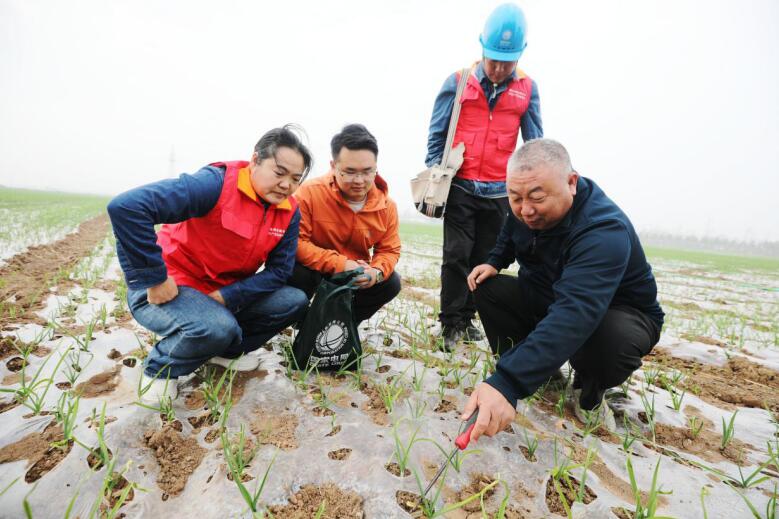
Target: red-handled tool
[[461, 442]]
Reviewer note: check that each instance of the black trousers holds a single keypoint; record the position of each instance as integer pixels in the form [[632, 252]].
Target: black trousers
[[471, 228], [510, 309], [367, 301]]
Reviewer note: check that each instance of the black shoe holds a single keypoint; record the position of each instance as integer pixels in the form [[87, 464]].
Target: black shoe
[[471, 332], [452, 335]]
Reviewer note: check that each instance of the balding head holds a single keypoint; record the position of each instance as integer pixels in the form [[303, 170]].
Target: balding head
[[534, 153], [541, 183]]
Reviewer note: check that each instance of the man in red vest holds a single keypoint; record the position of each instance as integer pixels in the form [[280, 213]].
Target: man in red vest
[[195, 283], [499, 101]]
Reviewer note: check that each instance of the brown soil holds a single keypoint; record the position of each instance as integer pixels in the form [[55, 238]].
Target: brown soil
[[621, 512], [94, 461], [394, 469], [304, 504], [479, 481], [177, 457], [13, 346], [27, 276], [335, 430], [13, 378], [119, 484], [553, 498], [114, 354], [196, 400], [7, 405], [203, 420], [212, 435], [703, 340], [526, 454], [15, 364], [96, 422], [382, 369], [130, 362], [399, 354], [446, 405], [100, 384], [37, 449], [706, 445], [322, 411], [340, 454], [278, 430], [374, 407], [757, 385], [409, 502]]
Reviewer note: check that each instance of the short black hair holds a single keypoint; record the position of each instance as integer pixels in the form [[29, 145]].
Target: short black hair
[[286, 136], [353, 137]]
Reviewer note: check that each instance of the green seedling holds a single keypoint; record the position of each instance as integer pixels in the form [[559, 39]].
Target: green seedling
[[770, 507], [531, 444], [66, 414], [32, 394], [649, 411], [390, 392], [645, 509], [629, 437], [560, 405], [417, 409], [251, 498], [418, 381], [728, 430], [403, 449], [676, 397], [240, 456]]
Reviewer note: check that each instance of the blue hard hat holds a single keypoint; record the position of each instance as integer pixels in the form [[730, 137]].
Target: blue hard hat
[[503, 37]]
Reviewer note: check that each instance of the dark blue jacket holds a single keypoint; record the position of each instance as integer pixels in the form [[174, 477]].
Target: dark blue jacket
[[135, 213], [590, 261]]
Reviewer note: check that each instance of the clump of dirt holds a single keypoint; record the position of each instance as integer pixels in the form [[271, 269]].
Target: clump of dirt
[[479, 481], [335, 430], [212, 435], [758, 385], [394, 469], [177, 457], [118, 486], [203, 420], [100, 384], [383, 369], [446, 405], [399, 354], [27, 276], [340, 454], [322, 411], [622, 512], [63, 386], [114, 354], [37, 449], [304, 504], [13, 346], [409, 502], [706, 445], [278, 430], [703, 339], [553, 498], [15, 364], [374, 407], [13, 378], [130, 362], [96, 422]]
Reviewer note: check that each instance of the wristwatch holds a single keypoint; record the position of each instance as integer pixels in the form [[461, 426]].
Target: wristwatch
[[379, 275]]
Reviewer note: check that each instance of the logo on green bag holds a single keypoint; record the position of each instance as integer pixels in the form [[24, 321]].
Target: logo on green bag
[[331, 338]]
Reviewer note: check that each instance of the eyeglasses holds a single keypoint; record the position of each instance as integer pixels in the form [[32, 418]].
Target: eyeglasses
[[351, 176]]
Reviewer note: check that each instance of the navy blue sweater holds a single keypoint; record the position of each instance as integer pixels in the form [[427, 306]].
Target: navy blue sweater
[[135, 213], [591, 260]]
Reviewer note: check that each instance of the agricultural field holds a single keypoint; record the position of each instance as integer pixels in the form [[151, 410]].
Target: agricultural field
[[698, 426]]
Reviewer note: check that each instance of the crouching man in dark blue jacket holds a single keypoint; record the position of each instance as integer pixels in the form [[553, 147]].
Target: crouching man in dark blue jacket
[[584, 294]]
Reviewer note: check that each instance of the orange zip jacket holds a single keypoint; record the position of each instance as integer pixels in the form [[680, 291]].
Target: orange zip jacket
[[331, 232]]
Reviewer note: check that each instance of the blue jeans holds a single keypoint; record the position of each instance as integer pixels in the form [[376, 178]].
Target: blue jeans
[[196, 327]]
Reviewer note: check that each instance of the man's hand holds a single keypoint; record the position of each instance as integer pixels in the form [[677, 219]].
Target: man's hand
[[495, 412], [162, 293], [368, 279], [350, 265], [216, 295], [480, 274]]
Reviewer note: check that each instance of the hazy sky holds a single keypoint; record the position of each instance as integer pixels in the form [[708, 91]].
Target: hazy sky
[[671, 106]]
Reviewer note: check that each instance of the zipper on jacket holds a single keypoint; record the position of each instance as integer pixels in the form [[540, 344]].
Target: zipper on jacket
[[533, 244]]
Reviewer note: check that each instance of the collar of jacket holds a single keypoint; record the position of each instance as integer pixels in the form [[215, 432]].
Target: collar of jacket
[[244, 185], [377, 196]]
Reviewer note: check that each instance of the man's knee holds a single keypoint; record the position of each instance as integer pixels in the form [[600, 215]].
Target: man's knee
[[392, 286], [215, 332]]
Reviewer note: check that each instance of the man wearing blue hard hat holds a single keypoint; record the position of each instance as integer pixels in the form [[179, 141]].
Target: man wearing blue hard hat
[[498, 101]]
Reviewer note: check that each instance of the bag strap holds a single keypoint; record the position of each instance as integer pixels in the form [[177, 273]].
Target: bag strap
[[464, 74]]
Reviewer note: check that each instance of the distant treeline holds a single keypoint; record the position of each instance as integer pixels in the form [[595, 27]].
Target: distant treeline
[[769, 249]]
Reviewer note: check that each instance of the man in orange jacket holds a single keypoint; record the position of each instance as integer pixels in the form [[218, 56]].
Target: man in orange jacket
[[345, 214]]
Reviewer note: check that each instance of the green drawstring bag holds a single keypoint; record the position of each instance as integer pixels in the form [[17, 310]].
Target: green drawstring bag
[[328, 337]]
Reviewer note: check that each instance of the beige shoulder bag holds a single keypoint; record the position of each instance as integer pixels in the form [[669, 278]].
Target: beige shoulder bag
[[430, 188]]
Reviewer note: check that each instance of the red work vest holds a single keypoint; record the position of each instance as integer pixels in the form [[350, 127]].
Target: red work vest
[[229, 243], [490, 138]]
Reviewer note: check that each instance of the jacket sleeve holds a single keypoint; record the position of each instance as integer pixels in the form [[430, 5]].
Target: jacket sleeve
[[530, 122], [502, 255], [597, 260], [327, 261], [278, 269], [386, 251], [439, 121], [135, 213]]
